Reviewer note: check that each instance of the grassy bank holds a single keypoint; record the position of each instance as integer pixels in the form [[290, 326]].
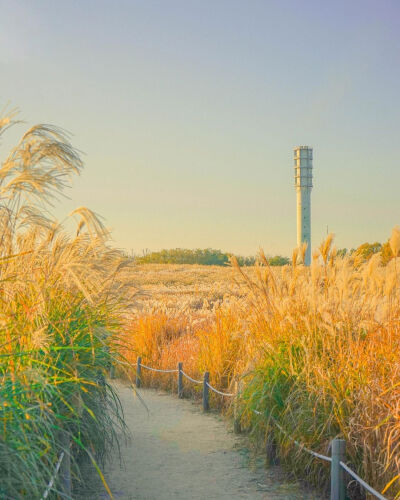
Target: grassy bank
[[315, 348], [63, 295]]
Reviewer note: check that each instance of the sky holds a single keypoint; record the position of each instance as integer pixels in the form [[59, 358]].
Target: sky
[[188, 111]]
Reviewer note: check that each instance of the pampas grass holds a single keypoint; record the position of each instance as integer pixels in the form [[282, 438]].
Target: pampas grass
[[62, 299]]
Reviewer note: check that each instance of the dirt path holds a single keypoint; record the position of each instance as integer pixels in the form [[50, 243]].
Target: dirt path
[[176, 452]]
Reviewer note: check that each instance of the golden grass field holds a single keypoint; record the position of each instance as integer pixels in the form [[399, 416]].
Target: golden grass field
[[174, 287], [316, 348]]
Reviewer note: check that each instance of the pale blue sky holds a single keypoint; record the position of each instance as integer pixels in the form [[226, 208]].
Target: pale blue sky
[[188, 112]]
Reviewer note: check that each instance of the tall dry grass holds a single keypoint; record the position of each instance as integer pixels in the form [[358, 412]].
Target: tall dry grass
[[316, 348], [62, 298]]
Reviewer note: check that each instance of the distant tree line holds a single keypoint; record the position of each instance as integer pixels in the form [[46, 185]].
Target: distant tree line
[[206, 257], [212, 257], [367, 250]]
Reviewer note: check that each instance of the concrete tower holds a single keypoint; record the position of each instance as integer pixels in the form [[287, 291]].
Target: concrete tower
[[303, 156]]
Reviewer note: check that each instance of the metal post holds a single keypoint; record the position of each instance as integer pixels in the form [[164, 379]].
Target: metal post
[[338, 486], [206, 400], [138, 372], [180, 381], [65, 467]]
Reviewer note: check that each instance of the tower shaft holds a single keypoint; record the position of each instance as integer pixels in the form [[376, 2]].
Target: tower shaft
[[303, 156]]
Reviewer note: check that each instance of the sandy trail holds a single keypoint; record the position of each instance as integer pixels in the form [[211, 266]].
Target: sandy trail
[[177, 452]]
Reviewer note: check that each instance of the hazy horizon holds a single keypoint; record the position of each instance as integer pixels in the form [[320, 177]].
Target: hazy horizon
[[188, 113]]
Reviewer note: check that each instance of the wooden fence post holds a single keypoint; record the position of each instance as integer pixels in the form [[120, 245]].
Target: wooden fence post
[[138, 372], [180, 381], [271, 455], [237, 427], [338, 486], [65, 467], [206, 398]]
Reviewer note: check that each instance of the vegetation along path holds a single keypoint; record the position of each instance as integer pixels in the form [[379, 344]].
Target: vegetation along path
[[177, 452]]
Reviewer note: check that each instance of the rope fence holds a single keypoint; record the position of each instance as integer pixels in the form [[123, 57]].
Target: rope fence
[[53, 477], [361, 481], [63, 468], [219, 392], [191, 379], [158, 370], [301, 445], [338, 446]]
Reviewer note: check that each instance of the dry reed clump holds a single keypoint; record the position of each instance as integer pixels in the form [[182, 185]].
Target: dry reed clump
[[62, 299], [316, 349], [329, 338]]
